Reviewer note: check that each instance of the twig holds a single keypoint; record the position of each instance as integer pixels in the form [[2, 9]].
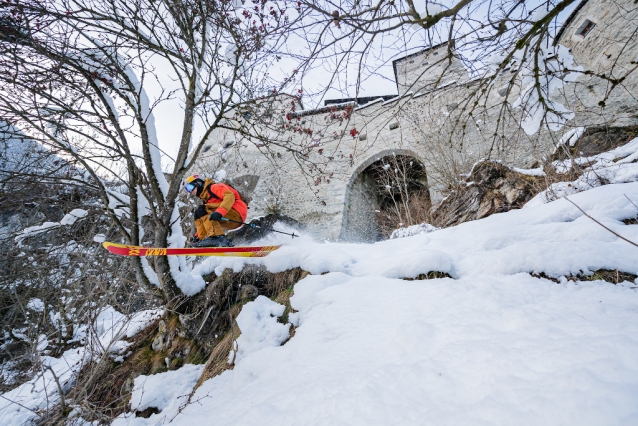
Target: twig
[[205, 318], [57, 382], [23, 406], [616, 234], [631, 201]]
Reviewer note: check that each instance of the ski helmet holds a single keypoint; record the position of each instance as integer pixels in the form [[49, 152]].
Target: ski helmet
[[193, 182]]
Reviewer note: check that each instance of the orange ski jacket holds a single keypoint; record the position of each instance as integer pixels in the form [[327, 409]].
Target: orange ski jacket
[[223, 197]]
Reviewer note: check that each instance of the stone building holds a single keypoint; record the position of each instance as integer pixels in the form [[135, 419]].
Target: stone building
[[331, 183]]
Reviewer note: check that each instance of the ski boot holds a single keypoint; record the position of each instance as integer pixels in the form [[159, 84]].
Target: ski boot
[[216, 241], [193, 241]]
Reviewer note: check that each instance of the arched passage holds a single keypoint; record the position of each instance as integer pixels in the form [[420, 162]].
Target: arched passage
[[387, 191]]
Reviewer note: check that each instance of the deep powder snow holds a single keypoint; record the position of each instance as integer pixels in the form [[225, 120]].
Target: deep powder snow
[[492, 346]]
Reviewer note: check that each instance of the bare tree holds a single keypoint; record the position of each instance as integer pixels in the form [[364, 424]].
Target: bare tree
[[75, 77]]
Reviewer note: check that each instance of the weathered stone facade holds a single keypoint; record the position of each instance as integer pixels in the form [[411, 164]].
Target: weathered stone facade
[[429, 121]]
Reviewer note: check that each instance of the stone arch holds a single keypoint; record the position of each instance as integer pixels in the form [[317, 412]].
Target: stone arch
[[362, 200]]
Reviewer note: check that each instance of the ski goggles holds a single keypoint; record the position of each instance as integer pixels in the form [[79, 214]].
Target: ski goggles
[[189, 187]]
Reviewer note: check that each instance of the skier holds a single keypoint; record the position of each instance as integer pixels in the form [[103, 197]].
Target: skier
[[220, 200]]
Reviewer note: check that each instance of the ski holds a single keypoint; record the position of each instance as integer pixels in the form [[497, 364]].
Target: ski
[[124, 250]]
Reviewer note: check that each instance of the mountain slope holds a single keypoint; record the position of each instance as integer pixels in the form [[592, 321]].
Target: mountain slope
[[493, 345]]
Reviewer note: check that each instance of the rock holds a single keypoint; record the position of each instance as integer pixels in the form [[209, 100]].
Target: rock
[[248, 292], [596, 140], [491, 188], [160, 342], [127, 386]]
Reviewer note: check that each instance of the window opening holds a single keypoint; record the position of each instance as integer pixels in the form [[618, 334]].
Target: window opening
[[585, 28]]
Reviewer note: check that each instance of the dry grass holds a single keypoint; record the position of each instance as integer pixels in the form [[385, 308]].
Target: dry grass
[[218, 361], [419, 206], [429, 276], [611, 276]]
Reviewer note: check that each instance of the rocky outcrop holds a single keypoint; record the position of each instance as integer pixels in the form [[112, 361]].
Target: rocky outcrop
[[596, 140], [491, 188], [212, 311]]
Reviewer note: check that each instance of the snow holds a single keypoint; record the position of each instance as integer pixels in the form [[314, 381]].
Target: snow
[[230, 53], [427, 8], [234, 59], [539, 14], [553, 61], [482, 351], [112, 325], [495, 59], [571, 136], [422, 228], [616, 166], [18, 406], [148, 390], [35, 304], [220, 175], [259, 327], [150, 273], [530, 172], [42, 343], [152, 391], [493, 345], [35, 230], [541, 238], [71, 217], [118, 202], [140, 320], [67, 220]]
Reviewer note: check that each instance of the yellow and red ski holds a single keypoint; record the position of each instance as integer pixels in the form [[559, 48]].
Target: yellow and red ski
[[124, 250]]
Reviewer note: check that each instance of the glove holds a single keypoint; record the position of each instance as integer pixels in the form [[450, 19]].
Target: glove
[[215, 216], [195, 239]]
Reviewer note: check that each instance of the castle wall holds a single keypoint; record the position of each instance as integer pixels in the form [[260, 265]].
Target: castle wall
[[609, 49], [428, 68]]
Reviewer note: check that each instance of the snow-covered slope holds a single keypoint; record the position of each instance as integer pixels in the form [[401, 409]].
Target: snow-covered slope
[[554, 238], [490, 350], [490, 346]]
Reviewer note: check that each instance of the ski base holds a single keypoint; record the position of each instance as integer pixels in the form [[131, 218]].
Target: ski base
[[124, 250]]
